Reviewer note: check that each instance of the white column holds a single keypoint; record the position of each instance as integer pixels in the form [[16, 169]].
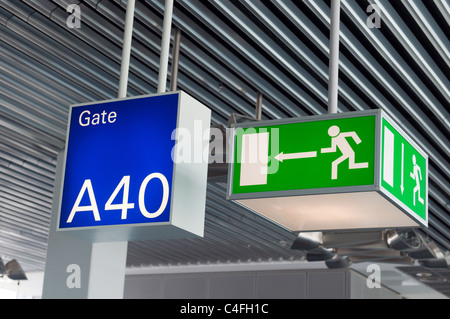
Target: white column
[[334, 57], [78, 269], [107, 273]]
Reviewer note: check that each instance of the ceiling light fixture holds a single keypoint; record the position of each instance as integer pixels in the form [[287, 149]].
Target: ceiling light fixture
[[320, 254], [403, 239], [12, 270], [307, 241], [436, 263], [338, 262]]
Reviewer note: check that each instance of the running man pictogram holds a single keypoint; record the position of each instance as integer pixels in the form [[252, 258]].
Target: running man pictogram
[[338, 140], [416, 174]]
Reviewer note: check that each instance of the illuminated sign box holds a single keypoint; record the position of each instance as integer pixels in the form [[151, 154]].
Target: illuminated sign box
[[354, 170], [121, 177]]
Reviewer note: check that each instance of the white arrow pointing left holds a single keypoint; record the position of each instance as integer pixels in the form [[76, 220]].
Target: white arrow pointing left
[[283, 156]]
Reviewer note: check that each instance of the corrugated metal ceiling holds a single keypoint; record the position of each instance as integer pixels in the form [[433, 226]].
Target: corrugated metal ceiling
[[230, 51]]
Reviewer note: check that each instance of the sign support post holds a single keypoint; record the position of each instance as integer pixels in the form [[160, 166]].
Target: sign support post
[[333, 74], [76, 268], [124, 176], [165, 44]]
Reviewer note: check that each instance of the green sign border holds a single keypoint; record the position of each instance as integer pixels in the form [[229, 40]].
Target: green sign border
[[385, 192], [309, 191]]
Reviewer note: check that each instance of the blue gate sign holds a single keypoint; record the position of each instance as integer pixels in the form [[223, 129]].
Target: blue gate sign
[[119, 175]]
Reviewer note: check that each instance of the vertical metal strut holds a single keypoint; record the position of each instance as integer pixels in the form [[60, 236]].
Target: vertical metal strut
[[333, 74], [165, 44]]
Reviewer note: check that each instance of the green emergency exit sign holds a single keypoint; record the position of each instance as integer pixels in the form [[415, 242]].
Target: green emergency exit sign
[[404, 170], [283, 165], [306, 155]]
